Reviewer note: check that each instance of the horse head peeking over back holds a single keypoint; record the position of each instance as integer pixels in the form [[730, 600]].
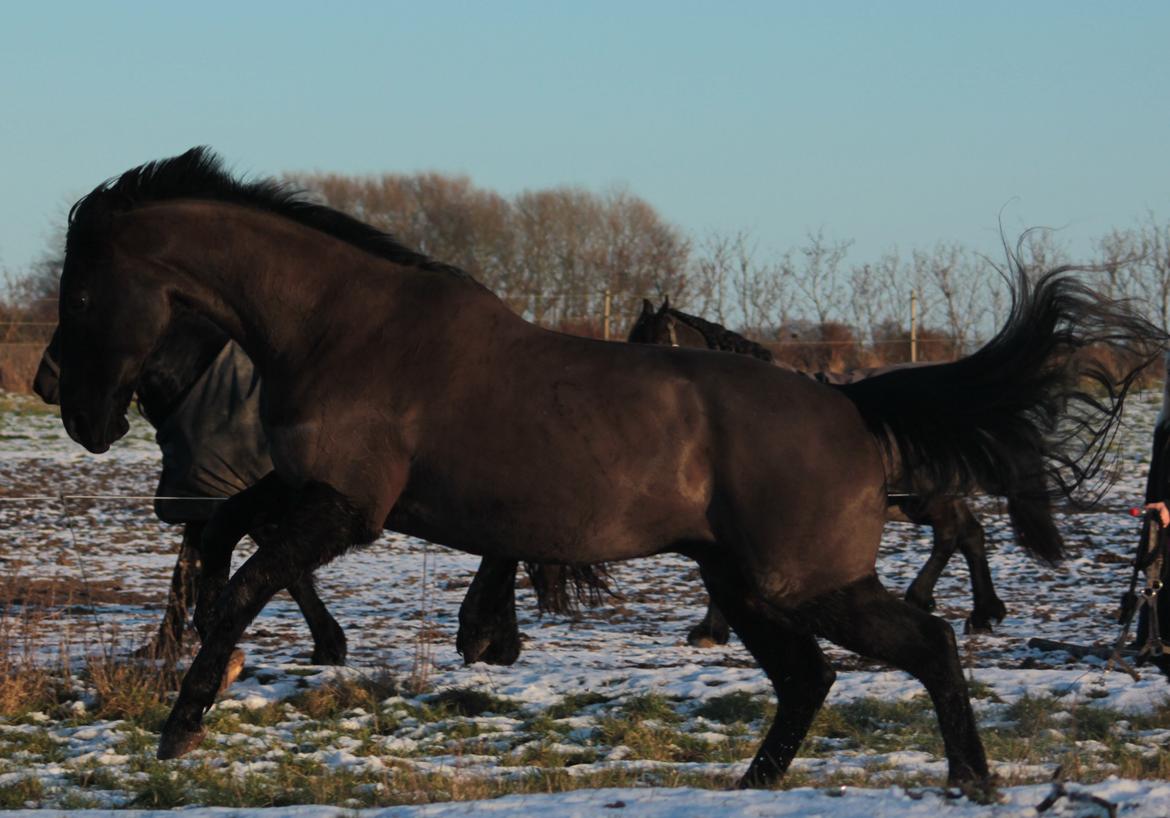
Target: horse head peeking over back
[[537, 446]]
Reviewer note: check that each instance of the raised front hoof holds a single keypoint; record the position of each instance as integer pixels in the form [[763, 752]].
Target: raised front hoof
[[701, 637], [177, 741], [235, 666]]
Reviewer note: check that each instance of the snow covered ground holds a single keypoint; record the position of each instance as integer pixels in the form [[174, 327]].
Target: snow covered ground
[[614, 695]]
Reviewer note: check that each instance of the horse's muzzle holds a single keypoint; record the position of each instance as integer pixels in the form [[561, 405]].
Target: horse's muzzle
[[96, 436]]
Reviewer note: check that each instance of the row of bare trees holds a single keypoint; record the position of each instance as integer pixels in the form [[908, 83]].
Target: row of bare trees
[[555, 254]]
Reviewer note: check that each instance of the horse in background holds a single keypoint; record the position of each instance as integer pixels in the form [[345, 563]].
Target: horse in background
[[954, 525]]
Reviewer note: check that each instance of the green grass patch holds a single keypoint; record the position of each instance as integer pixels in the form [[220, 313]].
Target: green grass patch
[[332, 700], [574, 703], [649, 706], [23, 793], [740, 707], [466, 702]]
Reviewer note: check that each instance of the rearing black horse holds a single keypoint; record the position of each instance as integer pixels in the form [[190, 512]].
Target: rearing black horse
[[528, 444]]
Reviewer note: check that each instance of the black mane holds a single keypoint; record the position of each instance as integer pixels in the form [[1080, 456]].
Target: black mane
[[720, 337], [199, 174]]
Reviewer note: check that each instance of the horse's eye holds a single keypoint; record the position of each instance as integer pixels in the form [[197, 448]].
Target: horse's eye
[[77, 302]]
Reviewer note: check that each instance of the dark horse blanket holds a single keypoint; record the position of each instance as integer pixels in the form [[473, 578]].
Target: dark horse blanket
[[213, 444]]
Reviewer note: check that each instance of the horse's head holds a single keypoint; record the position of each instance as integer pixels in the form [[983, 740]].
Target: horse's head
[[653, 327], [112, 311], [663, 327]]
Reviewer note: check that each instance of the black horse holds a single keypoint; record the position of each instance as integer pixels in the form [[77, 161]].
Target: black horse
[[200, 392], [528, 444], [954, 524]]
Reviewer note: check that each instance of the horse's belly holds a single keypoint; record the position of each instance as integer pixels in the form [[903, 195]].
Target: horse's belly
[[586, 523]]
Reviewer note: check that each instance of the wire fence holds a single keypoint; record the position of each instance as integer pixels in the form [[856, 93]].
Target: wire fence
[[606, 315]]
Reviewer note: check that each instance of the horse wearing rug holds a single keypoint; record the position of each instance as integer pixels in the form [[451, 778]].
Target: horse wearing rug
[[200, 392], [526, 444]]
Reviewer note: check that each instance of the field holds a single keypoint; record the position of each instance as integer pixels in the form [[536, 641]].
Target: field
[[608, 712]]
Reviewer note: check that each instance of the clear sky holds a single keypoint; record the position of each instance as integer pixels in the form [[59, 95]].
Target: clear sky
[[891, 123]]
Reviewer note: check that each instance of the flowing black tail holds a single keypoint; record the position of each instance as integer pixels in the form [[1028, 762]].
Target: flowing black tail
[[1025, 417]]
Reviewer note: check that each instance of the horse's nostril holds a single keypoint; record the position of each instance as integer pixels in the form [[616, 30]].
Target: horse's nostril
[[76, 425]]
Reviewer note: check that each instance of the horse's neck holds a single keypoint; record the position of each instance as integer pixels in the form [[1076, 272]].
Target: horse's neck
[[276, 286], [182, 356]]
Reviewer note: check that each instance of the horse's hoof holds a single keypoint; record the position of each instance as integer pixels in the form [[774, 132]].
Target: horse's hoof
[[754, 780], [328, 656], [980, 790], [976, 626], [702, 638], [235, 666], [501, 653], [178, 741], [472, 650]]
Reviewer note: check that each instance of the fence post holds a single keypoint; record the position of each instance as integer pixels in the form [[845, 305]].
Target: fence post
[[607, 313], [913, 326]]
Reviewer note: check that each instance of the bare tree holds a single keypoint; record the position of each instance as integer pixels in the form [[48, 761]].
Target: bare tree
[[873, 300], [817, 274]]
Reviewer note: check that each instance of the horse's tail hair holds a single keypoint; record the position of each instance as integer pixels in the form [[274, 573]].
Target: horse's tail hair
[[562, 589], [1030, 416]]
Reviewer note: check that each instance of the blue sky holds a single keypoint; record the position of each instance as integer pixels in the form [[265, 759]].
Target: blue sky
[[894, 124]]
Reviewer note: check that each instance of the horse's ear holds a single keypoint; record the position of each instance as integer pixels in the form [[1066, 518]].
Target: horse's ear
[[647, 307], [665, 305]]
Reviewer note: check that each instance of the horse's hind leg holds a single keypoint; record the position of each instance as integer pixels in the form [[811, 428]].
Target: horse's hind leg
[[988, 608], [955, 527], [920, 594], [168, 643], [794, 664], [329, 645], [866, 619], [713, 630], [317, 524], [487, 617]]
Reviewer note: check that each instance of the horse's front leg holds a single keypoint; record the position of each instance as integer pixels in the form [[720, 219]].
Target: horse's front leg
[[232, 520], [315, 524], [487, 617]]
